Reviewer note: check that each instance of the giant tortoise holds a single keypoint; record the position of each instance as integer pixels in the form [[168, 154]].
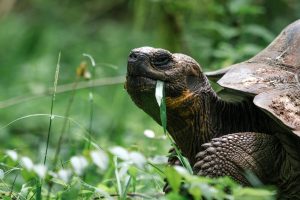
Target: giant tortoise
[[252, 124]]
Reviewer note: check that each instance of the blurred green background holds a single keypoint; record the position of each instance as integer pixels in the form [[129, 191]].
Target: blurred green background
[[33, 32]]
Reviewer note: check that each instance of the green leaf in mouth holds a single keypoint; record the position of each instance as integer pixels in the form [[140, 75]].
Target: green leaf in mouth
[[161, 100]]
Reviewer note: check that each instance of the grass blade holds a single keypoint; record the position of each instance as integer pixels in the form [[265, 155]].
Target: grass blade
[[52, 105], [13, 185], [157, 168], [38, 194], [126, 188], [66, 120], [91, 97], [118, 177]]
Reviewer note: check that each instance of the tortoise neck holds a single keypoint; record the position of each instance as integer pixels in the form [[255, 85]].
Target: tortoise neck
[[190, 124]]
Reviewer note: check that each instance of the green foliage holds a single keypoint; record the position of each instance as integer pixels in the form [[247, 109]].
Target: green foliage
[[174, 179], [221, 188], [72, 190], [33, 32], [131, 178]]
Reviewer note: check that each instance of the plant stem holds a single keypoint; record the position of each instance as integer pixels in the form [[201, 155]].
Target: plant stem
[[91, 117], [126, 188], [61, 89], [91, 97], [118, 177], [52, 105], [66, 119], [13, 185]]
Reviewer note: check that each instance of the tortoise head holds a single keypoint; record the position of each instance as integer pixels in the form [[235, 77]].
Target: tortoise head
[[181, 74]]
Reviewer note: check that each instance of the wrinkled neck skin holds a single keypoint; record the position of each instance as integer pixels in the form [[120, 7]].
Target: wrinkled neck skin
[[200, 115]]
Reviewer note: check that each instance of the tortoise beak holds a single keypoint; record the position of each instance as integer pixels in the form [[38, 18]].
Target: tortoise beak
[[136, 56], [139, 65]]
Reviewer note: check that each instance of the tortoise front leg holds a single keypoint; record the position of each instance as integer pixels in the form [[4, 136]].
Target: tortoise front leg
[[233, 154]]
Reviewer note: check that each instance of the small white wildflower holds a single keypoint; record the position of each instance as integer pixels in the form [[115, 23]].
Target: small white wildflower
[[137, 158], [24, 191], [87, 75], [64, 174], [100, 159], [120, 152], [1, 174], [12, 154], [149, 133], [79, 163], [158, 160], [27, 163], [181, 170], [123, 169], [40, 170], [53, 174], [52, 117]]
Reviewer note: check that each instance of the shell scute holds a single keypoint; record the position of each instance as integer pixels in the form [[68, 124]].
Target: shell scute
[[284, 105], [272, 76]]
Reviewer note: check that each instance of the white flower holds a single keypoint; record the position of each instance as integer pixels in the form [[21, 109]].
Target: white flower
[[1, 174], [137, 158], [40, 170], [158, 160], [64, 174], [120, 152], [24, 191], [181, 170], [131, 157], [149, 133], [87, 75], [53, 174], [79, 163], [27, 163], [123, 169], [100, 159], [12, 154]]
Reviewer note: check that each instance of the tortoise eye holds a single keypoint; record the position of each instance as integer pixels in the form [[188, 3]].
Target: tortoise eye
[[161, 60]]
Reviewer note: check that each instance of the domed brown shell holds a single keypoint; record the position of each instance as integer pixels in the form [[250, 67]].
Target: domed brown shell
[[272, 77]]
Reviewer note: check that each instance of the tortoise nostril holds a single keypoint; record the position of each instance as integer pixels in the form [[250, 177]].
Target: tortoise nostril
[[136, 56], [133, 55]]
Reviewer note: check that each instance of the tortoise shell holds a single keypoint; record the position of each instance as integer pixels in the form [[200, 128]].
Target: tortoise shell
[[272, 77]]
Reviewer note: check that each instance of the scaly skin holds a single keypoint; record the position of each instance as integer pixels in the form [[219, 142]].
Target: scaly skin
[[261, 154], [196, 115], [232, 154]]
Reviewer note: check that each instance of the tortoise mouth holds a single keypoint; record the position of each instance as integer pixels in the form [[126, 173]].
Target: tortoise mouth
[[142, 76], [139, 83]]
